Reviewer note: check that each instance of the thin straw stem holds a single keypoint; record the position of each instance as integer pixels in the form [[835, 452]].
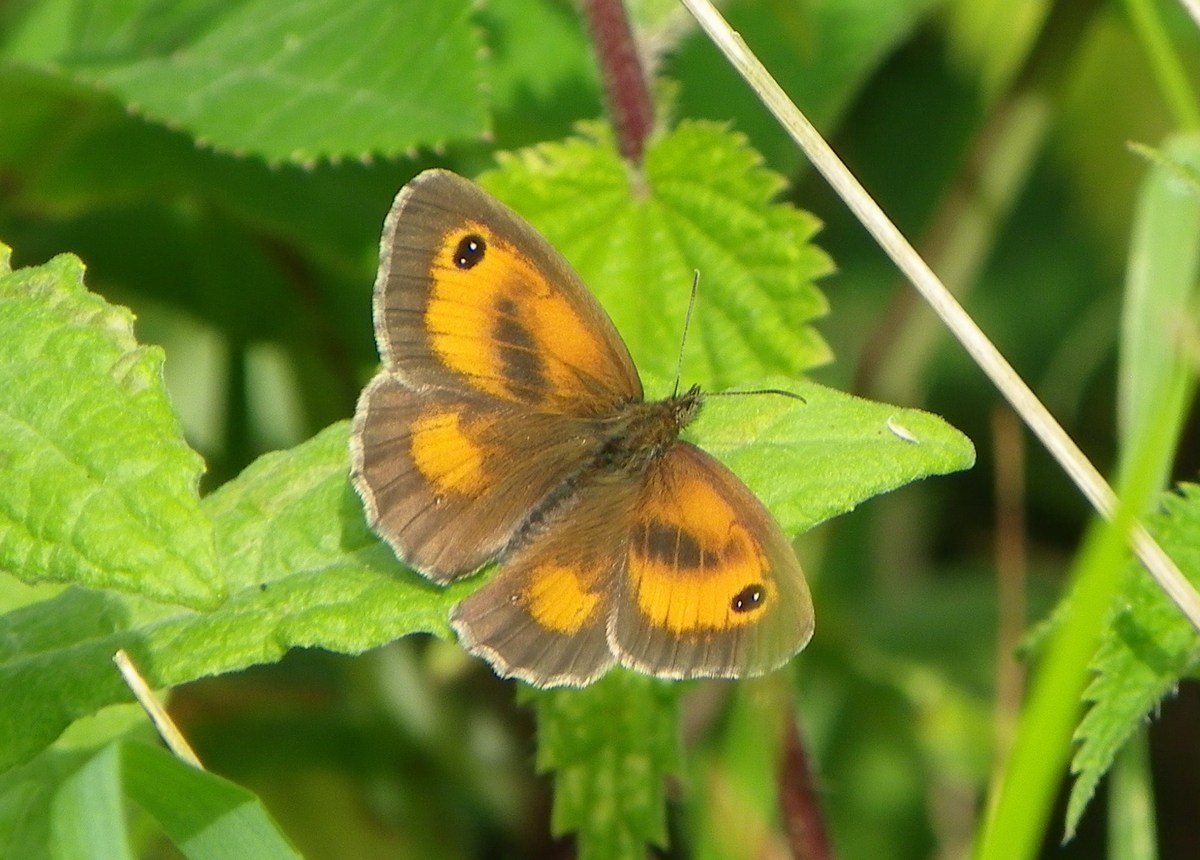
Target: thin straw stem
[[1014, 389]]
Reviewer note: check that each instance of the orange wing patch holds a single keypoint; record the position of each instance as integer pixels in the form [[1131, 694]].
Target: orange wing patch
[[493, 317], [447, 454], [559, 598], [545, 613], [693, 563]]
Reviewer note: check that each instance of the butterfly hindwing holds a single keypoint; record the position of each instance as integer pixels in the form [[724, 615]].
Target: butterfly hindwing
[[711, 586], [544, 615]]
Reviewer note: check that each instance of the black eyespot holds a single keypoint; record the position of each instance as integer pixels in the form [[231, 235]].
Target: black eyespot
[[748, 599], [469, 251]]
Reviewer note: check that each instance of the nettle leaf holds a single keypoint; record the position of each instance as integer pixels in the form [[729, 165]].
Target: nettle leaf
[[610, 746], [811, 460], [287, 81], [303, 571], [1150, 648], [702, 204], [100, 488]]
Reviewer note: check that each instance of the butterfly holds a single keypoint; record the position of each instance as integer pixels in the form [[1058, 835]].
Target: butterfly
[[508, 425]]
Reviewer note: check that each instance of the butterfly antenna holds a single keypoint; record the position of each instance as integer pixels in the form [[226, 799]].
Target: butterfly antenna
[[687, 322], [739, 393]]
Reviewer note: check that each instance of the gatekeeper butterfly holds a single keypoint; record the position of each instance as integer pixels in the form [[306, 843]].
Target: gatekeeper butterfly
[[508, 425]]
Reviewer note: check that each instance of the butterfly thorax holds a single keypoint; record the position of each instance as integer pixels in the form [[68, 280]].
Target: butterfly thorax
[[642, 431]]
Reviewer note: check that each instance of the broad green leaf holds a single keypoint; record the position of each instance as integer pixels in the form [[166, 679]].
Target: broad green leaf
[[812, 460], [204, 815], [303, 571], [100, 488], [1150, 649], [610, 747], [287, 81], [72, 803], [702, 204]]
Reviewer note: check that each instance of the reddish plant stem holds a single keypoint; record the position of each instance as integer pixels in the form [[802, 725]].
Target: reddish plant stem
[[802, 820], [626, 89]]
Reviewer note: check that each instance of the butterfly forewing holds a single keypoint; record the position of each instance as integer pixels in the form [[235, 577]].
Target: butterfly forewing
[[459, 304], [492, 355]]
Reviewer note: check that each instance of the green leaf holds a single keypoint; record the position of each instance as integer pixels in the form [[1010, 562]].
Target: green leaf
[[812, 460], [540, 68], [100, 488], [1150, 649], [610, 746], [86, 813], [303, 571], [71, 803], [1155, 373], [703, 204], [204, 815], [296, 81]]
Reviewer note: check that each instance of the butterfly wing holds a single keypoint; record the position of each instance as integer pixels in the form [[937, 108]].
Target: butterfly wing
[[711, 586], [683, 574], [495, 356], [472, 298], [543, 615], [449, 479]]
